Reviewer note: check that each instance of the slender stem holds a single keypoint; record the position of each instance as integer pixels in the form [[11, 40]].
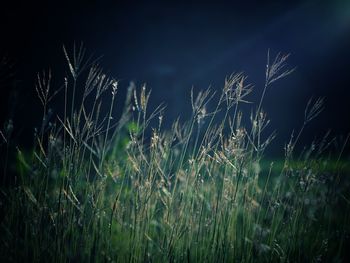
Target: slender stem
[[106, 136]]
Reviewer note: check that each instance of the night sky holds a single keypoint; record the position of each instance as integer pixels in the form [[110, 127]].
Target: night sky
[[174, 46]]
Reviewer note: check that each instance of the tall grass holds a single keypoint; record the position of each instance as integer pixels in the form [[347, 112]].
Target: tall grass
[[98, 189]]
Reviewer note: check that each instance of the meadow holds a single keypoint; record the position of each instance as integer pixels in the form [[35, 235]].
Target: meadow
[[96, 188]]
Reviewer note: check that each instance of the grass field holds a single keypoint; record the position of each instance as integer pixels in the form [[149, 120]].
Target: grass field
[[96, 189]]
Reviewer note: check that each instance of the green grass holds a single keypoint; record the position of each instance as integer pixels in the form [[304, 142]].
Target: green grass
[[101, 190]]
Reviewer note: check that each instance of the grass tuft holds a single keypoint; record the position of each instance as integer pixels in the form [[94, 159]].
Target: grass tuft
[[103, 190]]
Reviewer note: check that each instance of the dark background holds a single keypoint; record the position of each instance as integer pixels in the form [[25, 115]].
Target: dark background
[[173, 46]]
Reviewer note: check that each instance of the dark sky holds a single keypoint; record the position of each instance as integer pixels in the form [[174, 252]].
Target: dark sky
[[174, 46]]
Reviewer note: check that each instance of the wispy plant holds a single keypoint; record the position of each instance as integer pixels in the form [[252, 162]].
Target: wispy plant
[[101, 189]]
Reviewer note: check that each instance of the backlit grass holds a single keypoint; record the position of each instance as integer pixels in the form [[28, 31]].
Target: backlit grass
[[104, 190]]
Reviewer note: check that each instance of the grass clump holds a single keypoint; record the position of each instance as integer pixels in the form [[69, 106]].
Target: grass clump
[[101, 190]]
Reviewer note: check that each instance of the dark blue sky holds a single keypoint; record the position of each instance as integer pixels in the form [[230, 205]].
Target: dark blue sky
[[174, 46]]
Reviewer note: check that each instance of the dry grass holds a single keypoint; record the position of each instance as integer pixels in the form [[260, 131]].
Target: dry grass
[[98, 189]]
